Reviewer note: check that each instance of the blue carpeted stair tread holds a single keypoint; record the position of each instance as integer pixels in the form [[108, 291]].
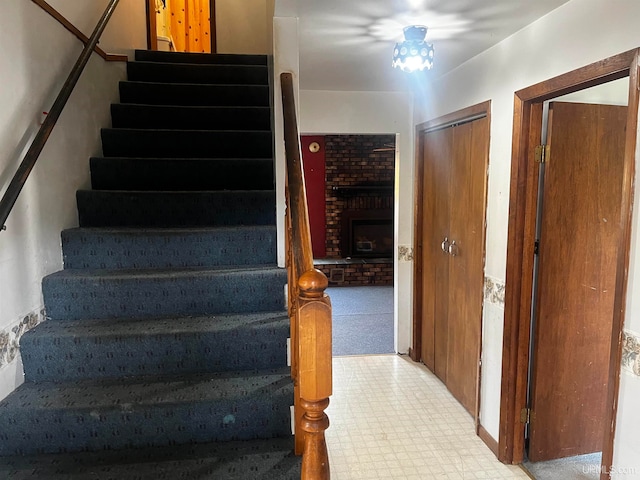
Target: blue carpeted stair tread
[[146, 390], [172, 143], [144, 411], [181, 174], [197, 73], [112, 208], [78, 294], [198, 58], [118, 327], [156, 93], [130, 115], [160, 273], [271, 459], [128, 248], [108, 348]]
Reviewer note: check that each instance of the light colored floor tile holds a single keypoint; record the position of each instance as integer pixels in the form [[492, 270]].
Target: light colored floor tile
[[392, 418]]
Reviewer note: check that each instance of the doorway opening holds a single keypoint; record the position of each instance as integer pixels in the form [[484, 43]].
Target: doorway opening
[[519, 331], [580, 181], [349, 182]]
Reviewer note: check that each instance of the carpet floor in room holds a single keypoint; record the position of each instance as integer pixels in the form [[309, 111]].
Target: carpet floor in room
[[580, 467], [362, 320]]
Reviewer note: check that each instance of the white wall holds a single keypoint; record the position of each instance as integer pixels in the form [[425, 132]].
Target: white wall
[[332, 112], [576, 34], [285, 59], [627, 444], [125, 31], [610, 93], [241, 26], [270, 13], [36, 55]]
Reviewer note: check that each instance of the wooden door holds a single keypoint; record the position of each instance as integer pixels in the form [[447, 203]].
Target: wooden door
[[576, 279], [435, 221], [466, 268], [454, 186], [190, 25]]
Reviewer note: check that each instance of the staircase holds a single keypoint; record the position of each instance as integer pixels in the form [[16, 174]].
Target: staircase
[[164, 353]]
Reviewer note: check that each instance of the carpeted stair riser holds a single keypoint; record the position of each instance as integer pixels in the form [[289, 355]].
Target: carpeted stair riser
[[97, 294], [152, 93], [127, 142], [181, 174], [197, 73], [85, 349], [107, 208], [197, 58], [271, 459], [101, 248], [145, 411], [124, 115]]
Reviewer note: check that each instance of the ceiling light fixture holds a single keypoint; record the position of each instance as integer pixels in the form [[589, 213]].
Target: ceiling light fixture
[[414, 53]]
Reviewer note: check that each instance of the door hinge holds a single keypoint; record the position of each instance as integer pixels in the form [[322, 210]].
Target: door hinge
[[525, 415], [542, 153], [536, 247]]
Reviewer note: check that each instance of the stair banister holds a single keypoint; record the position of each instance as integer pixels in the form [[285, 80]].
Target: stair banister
[[19, 179], [309, 309]]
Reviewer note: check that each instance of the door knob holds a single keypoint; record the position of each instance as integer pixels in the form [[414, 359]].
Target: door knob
[[453, 249], [445, 245]]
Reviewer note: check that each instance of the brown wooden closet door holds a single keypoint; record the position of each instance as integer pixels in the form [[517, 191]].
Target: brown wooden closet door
[[578, 248], [454, 184], [466, 268], [437, 146]]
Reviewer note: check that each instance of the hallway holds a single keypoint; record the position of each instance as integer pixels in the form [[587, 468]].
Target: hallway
[[393, 419]]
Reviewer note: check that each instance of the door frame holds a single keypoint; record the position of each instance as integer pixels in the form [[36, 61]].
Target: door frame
[[527, 131], [475, 111], [212, 27], [152, 29]]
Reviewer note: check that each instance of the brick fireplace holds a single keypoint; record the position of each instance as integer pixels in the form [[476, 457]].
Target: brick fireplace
[[359, 209]]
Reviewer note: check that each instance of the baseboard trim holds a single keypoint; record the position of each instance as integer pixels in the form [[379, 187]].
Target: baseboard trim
[[488, 440]]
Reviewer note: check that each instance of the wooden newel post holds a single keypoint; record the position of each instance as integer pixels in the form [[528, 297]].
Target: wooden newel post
[[315, 372], [315, 461]]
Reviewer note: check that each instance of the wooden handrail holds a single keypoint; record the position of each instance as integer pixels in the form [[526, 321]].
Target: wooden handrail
[[302, 251], [309, 310], [109, 57], [15, 187]]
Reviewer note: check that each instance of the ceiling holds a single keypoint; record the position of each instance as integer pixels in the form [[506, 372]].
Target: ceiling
[[348, 44]]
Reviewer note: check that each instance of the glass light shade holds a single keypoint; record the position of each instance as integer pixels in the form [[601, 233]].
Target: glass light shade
[[414, 53]]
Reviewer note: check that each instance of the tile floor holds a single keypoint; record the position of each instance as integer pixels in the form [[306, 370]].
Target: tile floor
[[391, 419]]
